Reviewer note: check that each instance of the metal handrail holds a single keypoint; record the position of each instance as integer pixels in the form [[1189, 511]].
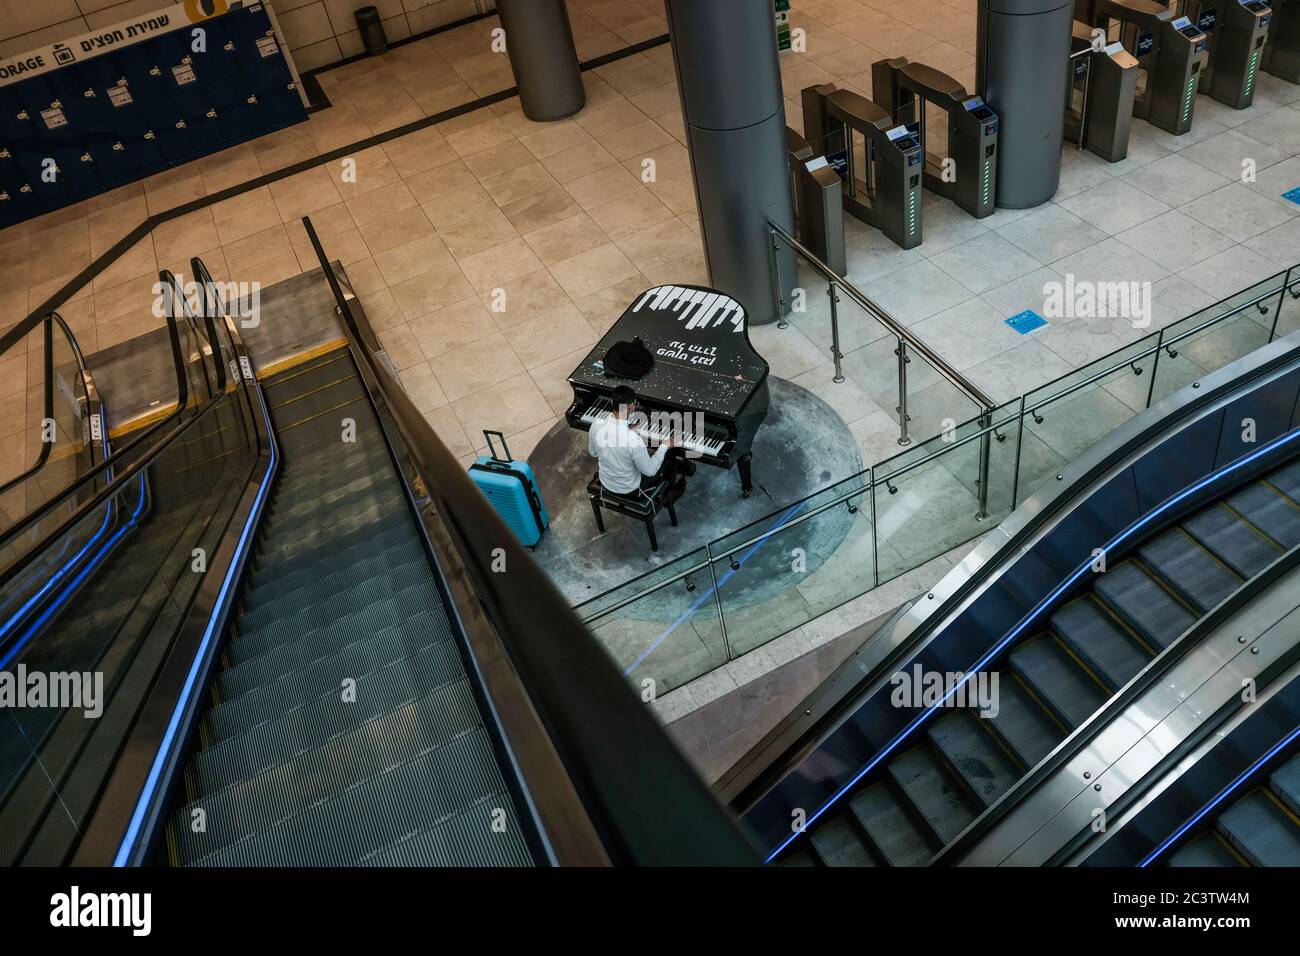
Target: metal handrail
[[971, 391]]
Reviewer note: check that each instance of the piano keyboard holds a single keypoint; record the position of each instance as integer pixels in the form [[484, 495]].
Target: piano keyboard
[[656, 431]]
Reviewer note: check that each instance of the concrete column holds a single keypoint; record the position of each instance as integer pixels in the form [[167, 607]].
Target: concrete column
[[543, 58], [1022, 48], [730, 84]]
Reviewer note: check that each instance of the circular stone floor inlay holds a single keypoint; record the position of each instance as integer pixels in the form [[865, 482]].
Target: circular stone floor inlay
[[801, 448]]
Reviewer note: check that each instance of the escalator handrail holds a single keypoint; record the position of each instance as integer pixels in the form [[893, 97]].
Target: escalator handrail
[[112, 461], [47, 396], [640, 794]]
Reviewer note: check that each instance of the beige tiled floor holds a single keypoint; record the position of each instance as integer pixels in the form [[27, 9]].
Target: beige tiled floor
[[490, 251]]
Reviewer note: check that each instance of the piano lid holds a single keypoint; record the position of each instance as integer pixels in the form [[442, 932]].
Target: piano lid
[[703, 359]]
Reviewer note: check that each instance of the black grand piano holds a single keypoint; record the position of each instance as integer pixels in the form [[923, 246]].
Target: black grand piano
[[707, 387]]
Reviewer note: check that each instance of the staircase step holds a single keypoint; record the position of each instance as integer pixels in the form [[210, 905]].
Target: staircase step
[[461, 841], [1209, 850], [1233, 541], [1192, 572], [1285, 784], [935, 794], [350, 826], [268, 569], [837, 843], [298, 728], [1262, 831], [900, 839], [987, 770], [1057, 680], [1085, 628], [1143, 604], [376, 746], [1274, 514], [384, 564], [1022, 724], [1287, 480]]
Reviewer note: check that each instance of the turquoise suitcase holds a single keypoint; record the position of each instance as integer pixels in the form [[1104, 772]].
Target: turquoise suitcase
[[510, 487]]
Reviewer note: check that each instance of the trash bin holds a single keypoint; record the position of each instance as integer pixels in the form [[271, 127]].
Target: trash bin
[[373, 37]]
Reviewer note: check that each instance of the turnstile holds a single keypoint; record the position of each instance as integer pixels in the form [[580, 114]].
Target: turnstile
[[1170, 52], [818, 202], [968, 173], [1282, 51], [882, 173], [1237, 31], [1103, 82]]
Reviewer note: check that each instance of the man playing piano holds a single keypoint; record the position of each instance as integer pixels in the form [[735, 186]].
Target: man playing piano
[[625, 465]]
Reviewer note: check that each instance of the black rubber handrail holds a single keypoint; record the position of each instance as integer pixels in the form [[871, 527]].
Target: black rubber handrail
[[182, 397], [645, 800], [51, 319], [113, 460]]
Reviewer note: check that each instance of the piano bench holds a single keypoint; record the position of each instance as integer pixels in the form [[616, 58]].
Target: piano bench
[[642, 504]]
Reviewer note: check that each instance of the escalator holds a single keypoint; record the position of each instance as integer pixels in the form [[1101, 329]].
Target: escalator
[[340, 590], [1260, 829], [1054, 681], [291, 592], [944, 723]]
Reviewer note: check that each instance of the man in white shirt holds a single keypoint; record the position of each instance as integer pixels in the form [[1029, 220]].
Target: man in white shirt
[[625, 465]]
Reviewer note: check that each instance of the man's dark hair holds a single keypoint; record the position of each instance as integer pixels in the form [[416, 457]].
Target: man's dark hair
[[623, 396]]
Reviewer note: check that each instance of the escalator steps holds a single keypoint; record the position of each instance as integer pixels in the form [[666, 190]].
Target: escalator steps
[[1022, 723], [1261, 830], [937, 797], [344, 829], [1235, 542], [371, 748], [1287, 480], [463, 840], [1285, 784], [799, 858], [1270, 512], [1143, 604], [1189, 569], [837, 843], [1209, 850], [264, 743], [969, 748], [1095, 637], [1058, 680], [899, 838]]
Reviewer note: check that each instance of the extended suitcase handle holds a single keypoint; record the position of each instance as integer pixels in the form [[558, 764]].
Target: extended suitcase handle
[[492, 448]]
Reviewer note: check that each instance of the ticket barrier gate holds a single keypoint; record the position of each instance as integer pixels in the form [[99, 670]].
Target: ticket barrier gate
[[1238, 31], [1282, 51], [1099, 108], [818, 202], [1170, 52], [882, 180], [968, 173]]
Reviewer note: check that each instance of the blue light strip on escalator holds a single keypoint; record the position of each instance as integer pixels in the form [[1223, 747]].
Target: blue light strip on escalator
[[147, 794], [1223, 795], [1028, 620]]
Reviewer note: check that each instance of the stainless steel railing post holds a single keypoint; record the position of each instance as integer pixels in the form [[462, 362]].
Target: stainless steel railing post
[[986, 423], [835, 331], [773, 249], [901, 352]]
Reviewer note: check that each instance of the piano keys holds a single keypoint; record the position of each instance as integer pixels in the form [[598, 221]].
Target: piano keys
[[707, 387]]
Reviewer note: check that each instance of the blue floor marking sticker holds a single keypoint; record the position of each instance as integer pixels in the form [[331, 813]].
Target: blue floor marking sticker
[[1026, 321]]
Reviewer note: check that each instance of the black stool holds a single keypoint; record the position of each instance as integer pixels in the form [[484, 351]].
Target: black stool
[[642, 504]]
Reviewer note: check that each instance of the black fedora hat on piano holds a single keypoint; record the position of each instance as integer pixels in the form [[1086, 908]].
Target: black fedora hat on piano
[[628, 359]]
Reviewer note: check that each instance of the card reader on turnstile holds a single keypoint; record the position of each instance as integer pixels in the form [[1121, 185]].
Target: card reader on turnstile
[[1282, 51], [1237, 32], [968, 173], [1170, 52], [1099, 104], [882, 176]]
